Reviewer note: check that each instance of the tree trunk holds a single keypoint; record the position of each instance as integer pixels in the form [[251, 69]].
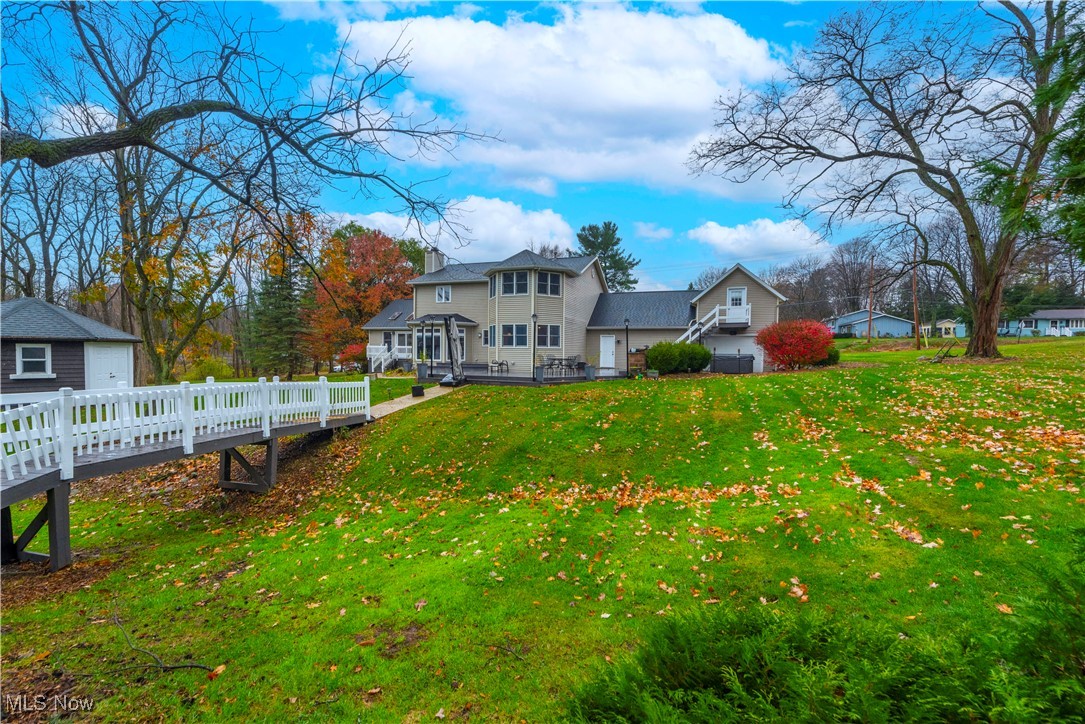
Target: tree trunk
[[988, 308]]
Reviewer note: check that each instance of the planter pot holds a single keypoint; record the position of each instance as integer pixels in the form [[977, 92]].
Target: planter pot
[[423, 370], [540, 374], [653, 374], [589, 373], [418, 391]]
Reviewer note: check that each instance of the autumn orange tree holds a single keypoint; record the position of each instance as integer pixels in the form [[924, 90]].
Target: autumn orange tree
[[361, 271]]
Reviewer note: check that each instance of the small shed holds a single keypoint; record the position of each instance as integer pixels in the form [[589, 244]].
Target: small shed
[[44, 347]]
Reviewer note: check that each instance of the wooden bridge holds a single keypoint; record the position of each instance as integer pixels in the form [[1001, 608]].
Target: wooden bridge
[[76, 435]]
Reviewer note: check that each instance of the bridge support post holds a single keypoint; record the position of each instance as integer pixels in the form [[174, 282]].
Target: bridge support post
[[262, 478], [55, 514]]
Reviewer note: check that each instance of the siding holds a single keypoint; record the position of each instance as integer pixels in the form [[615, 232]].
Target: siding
[[67, 366], [638, 339], [514, 309], [468, 299], [581, 294], [764, 305]]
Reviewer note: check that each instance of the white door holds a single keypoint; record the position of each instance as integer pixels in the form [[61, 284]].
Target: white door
[[107, 364], [606, 351]]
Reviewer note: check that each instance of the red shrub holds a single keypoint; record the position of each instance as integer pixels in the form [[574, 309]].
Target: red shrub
[[796, 343]]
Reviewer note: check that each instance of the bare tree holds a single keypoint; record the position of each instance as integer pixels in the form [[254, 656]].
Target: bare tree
[[896, 117], [154, 72]]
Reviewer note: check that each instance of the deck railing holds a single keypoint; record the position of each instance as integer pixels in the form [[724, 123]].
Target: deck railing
[[53, 433], [716, 316]]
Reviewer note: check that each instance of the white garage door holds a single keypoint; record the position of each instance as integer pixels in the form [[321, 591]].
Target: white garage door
[[726, 344], [107, 365]]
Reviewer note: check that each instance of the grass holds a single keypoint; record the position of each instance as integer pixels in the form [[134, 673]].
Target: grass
[[492, 551]]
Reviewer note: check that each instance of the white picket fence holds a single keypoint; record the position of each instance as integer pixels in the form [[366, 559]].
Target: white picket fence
[[54, 432]]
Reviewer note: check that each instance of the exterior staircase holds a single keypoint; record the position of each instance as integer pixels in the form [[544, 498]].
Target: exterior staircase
[[718, 317]]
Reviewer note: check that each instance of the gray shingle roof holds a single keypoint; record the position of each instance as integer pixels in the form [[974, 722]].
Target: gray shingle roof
[[1059, 314], [644, 310], [472, 272], [394, 316], [530, 260], [440, 319], [477, 271], [35, 319]]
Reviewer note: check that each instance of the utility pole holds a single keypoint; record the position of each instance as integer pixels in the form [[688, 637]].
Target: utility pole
[[915, 293], [870, 304]]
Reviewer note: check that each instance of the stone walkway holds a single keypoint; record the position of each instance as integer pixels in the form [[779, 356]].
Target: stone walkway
[[400, 403]]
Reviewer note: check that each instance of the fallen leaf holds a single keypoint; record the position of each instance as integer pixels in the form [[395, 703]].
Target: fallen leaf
[[1003, 608], [212, 675], [419, 605]]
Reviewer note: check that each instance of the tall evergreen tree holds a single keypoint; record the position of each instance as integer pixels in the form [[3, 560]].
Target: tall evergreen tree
[[604, 242], [275, 333]]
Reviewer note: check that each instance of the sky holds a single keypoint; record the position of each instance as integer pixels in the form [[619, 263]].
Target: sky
[[594, 110]]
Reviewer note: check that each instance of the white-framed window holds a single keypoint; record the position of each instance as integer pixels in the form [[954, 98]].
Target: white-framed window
[[736, 296], [493, 335], [549, 284], [427, 344], [493, 286], [548, 335], [1028, 324], [513, 283], [444, 294], [513, 335], [33, 361]]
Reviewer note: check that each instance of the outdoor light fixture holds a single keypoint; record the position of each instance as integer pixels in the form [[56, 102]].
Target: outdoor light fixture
[[627, 346], [534, 335]]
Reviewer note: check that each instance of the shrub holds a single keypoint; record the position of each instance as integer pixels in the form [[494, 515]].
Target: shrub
[[668, 357], [833, 358], [209, 367], [843, 335], [692, 357], [663, 356], [795, 343], [354, 355]]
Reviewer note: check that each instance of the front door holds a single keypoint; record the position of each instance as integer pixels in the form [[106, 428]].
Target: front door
[[106, 365], [388, 341], [606, 351]]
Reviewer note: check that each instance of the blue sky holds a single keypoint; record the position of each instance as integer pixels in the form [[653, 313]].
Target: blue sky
[[597, 107]]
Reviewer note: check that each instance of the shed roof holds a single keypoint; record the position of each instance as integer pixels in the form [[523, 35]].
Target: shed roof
[[35, 319], [644, 310]]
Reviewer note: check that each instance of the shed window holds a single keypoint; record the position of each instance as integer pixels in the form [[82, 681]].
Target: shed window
[[33, 360]]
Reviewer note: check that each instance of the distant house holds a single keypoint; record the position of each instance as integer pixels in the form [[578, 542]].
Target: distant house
[[44, 347], [1047, 322], [884, 325], [946, 328], [527, 306]]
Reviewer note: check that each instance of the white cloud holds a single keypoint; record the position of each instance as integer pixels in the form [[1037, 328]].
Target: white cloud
[[799, 23], [651, 231], [759, 240], [605, 92], [494, 228], [537, 184], [646, 283]]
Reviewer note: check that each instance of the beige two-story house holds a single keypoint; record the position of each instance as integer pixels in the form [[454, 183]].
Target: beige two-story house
[[527, 308]]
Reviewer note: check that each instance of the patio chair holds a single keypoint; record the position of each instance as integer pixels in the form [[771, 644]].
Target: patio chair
[[499, 366]]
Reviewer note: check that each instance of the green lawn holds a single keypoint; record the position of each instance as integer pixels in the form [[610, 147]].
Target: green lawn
[[489, 552]]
